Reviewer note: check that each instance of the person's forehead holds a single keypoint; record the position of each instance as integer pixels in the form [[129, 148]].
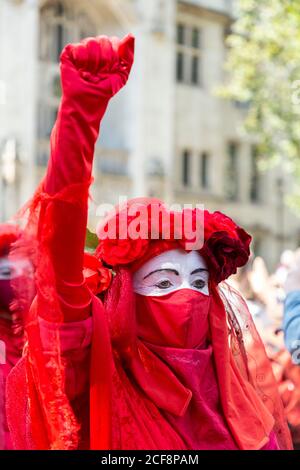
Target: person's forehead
[[177, 259]]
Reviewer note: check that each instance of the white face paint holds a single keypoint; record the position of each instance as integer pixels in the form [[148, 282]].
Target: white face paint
[[171, 271], [12, 268]]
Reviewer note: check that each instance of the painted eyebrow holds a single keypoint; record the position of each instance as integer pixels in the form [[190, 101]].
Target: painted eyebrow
[[160, 270], [199, 270]]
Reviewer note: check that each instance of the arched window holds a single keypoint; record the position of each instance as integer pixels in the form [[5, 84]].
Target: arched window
[[56, 30], [188, 54], [61, 22]]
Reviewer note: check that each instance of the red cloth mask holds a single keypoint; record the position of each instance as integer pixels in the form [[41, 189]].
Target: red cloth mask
[[178, 319]]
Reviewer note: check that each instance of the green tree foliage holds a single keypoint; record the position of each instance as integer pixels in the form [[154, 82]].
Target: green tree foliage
[[91, 241], [264, 73]]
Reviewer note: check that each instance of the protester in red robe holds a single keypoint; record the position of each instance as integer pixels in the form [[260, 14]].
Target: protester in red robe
[[132, 369], [13, 272]]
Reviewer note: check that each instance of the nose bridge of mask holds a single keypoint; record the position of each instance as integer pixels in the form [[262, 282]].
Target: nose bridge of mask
[[198, 326]]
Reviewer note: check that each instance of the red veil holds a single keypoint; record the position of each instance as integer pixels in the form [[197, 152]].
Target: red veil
[[250, 356], [248, 390], [237, 348], [44, 418]]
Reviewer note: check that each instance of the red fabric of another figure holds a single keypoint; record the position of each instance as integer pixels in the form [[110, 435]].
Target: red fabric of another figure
[[11, 346]]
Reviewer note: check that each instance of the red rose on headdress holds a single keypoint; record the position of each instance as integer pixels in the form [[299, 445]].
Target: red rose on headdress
[[121, 252], [225, 251], [124, 238], [218, 222], [97, 276]]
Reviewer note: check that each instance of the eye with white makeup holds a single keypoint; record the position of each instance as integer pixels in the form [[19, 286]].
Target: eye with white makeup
[[11, 269], [167, 278], [162, 279], [199, 278], [172, 271]]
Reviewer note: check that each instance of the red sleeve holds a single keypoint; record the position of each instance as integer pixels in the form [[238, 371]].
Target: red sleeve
[[91, 73], [72, 148]]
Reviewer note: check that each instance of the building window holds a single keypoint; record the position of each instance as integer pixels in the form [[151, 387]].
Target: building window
[[255, 181], [188, 68], [60, 24], [232, 173], [56, 87], [204, 170], [180, 67], [195, 70], [180, 34], [195, 38], [60, 30], [56, 30], [186, 168]]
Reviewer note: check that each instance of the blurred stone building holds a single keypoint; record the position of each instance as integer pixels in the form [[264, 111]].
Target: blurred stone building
[[166, 134]]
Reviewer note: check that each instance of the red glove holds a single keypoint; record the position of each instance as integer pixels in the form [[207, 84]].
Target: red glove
[[91, 73]]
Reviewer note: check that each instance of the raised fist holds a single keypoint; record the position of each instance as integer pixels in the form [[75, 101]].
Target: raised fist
[[98, 66]]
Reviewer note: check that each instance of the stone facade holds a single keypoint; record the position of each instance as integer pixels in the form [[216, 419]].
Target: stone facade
[[166, 135]]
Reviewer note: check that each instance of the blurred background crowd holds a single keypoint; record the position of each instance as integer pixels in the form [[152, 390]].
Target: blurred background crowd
[[210, 115], [265, 293]]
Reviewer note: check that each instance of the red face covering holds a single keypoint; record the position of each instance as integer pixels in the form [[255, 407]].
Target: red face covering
[[169, 380], [178, 319]]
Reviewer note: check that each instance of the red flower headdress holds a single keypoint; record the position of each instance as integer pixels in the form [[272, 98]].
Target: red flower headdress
[[225, 245]]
